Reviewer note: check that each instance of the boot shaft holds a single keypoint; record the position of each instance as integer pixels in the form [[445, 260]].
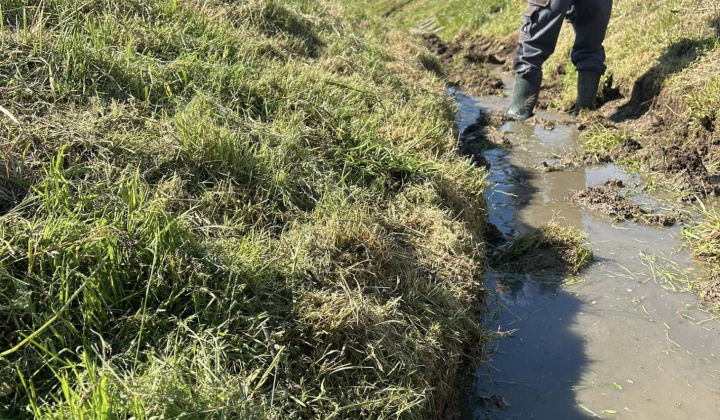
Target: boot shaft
[[587, 89], [525, 96]]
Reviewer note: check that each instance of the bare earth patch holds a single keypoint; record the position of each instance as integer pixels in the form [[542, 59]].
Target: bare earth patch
[[709, 291], [683, 168], [466, 59]]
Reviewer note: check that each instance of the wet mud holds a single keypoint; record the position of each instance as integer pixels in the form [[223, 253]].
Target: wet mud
[[625, 338], [467, 58], [684, 169], [610, 203], [709, 291]]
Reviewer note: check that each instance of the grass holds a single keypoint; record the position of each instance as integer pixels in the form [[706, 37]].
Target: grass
[[550, 247], [601, 140], [230, 210], [493, 17], [704, 237], [658, 41]]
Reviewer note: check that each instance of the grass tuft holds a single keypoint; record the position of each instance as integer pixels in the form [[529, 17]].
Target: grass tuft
[[549, 248]]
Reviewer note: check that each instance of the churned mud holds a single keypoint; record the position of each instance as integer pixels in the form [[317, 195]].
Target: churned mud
[[466, 60], [683, 168], [609, 202], [709, 291]]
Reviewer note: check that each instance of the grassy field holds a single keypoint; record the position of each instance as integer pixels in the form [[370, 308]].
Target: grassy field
[[216, 209]]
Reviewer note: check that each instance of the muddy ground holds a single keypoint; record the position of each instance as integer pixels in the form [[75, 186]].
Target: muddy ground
[[609, 202], [679, 153], [467, 60]]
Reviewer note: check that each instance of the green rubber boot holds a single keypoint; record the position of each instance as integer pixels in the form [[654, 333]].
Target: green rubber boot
[[525, 96], [587, 88]]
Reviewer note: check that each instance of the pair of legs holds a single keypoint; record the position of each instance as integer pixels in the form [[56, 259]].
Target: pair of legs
[[543, 20]]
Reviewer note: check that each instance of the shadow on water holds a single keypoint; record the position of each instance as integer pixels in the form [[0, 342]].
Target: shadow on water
[[546, 346], [678, 56], [536, 369]]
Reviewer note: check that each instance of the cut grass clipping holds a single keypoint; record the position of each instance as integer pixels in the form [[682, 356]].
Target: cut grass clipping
[[218, 209], [550, 248]]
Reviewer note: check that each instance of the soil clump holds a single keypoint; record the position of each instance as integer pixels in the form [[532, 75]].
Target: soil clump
[[609, 202], [709, 291]]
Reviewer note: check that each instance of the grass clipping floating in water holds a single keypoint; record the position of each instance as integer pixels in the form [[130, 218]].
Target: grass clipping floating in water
[[549, 248], [230, 210]]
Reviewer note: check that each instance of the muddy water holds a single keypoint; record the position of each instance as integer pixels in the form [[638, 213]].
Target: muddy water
[[618, 341]]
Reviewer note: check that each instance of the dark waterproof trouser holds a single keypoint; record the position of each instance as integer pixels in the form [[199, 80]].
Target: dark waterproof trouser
[[541, 29]]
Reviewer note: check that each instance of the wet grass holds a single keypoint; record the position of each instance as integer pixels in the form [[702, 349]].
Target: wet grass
[[549, 248], [601, 140], [229, 210], [704, 235], [667, 273]]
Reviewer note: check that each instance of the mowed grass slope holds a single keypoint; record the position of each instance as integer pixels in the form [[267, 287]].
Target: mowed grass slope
[[212, 209]]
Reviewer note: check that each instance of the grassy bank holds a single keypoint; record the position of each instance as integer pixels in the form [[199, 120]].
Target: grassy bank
[[229, 210]]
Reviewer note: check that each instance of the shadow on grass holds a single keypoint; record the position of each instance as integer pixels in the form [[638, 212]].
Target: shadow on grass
[[677, 57], [12, 188]]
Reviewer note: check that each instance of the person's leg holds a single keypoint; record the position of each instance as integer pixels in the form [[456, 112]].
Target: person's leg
[[588, 54], [538, 38]]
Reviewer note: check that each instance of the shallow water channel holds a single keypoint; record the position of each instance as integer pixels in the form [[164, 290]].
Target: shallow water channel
[[618, 341]]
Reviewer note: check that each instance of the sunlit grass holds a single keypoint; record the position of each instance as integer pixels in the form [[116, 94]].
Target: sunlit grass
[[494, 17], [229, 210], [550, 247]]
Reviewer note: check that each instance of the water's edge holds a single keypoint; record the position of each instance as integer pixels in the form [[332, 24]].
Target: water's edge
[[618, 341]]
